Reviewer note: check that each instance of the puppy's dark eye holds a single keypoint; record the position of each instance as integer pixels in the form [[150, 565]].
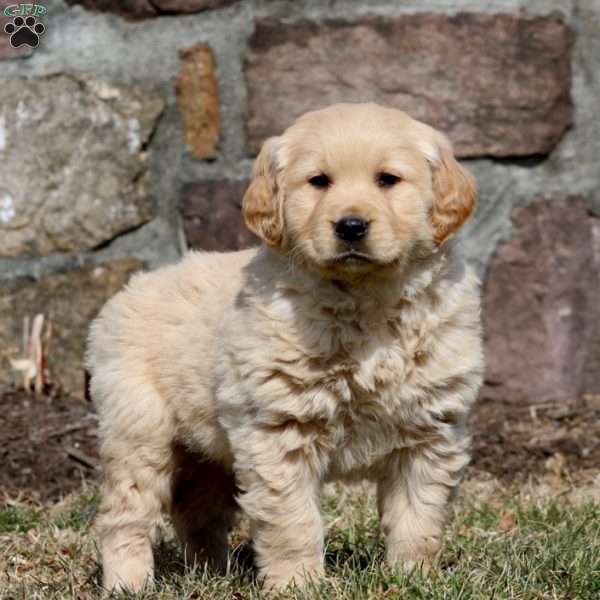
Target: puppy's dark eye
[[321, 181], [387, 179]]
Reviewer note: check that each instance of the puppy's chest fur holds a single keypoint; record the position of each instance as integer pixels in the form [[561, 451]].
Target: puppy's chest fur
[[353, 383], [359, 395]]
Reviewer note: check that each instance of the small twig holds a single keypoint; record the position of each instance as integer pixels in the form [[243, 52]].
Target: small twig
[[25, 346], [65, 430], [35, 352], [80, 457], [46, 352], [33, 362]]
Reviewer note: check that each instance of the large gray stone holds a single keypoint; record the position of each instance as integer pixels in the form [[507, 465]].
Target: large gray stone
[[73, 165], [541, 306], [70, 300], [498, 84]]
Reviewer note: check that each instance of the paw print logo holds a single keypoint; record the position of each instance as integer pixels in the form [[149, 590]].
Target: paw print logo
[[24, 32]]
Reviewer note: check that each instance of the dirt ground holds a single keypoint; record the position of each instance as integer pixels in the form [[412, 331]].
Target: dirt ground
[[48, 444]]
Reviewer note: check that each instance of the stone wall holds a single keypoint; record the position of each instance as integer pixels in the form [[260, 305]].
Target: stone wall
[[128, 135]]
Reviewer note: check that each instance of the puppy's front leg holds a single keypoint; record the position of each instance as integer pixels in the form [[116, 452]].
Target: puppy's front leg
[[281, 497], [413, 496]]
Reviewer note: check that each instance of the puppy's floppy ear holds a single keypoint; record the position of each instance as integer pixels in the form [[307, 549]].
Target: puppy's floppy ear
[[263, 201], [455, 192]]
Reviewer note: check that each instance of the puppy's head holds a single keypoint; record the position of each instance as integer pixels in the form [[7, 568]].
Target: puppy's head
[[356, 189]]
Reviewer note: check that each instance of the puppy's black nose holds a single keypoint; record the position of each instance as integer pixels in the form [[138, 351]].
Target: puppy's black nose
[[351, 229]]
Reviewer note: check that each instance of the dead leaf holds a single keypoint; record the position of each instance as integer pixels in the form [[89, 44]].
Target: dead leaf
[[508, 522], [556, 464], [592, 400]]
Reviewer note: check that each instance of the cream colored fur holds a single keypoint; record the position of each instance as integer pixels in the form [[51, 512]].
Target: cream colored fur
[[267, 372]]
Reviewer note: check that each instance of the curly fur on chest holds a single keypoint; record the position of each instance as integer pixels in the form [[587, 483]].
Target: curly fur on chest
[[349, 376]]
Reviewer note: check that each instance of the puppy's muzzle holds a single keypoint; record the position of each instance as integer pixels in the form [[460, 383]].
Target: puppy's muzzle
[[351, 229]]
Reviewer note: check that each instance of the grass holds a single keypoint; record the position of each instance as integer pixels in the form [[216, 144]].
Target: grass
[[500, 545]]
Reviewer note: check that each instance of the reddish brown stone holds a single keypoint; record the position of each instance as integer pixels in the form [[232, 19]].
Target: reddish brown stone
[[542, 308], [497, 84], [141, 9], [198, 94], [212, 218], [132, 9], [190, 6], [71, 300]]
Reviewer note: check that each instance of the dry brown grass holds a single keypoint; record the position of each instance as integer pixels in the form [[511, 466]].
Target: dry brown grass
[[503, 543]]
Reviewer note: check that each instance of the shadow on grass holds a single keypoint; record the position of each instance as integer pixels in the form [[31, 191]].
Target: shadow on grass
[[341, 554], [170, 562]]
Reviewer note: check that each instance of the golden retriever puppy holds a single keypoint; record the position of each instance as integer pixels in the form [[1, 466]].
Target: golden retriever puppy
[[347, 347]]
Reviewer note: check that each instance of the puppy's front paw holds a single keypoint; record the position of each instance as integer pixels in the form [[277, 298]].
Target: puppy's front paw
[[130, 583], [420, 559], [281, 575], [423, 565]]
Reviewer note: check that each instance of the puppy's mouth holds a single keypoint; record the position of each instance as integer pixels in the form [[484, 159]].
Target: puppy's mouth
[[352, 257]]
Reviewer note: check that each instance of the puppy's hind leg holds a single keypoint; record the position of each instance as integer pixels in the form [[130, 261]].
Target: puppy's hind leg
[[133, 495], [137, 462], [203, 508]]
